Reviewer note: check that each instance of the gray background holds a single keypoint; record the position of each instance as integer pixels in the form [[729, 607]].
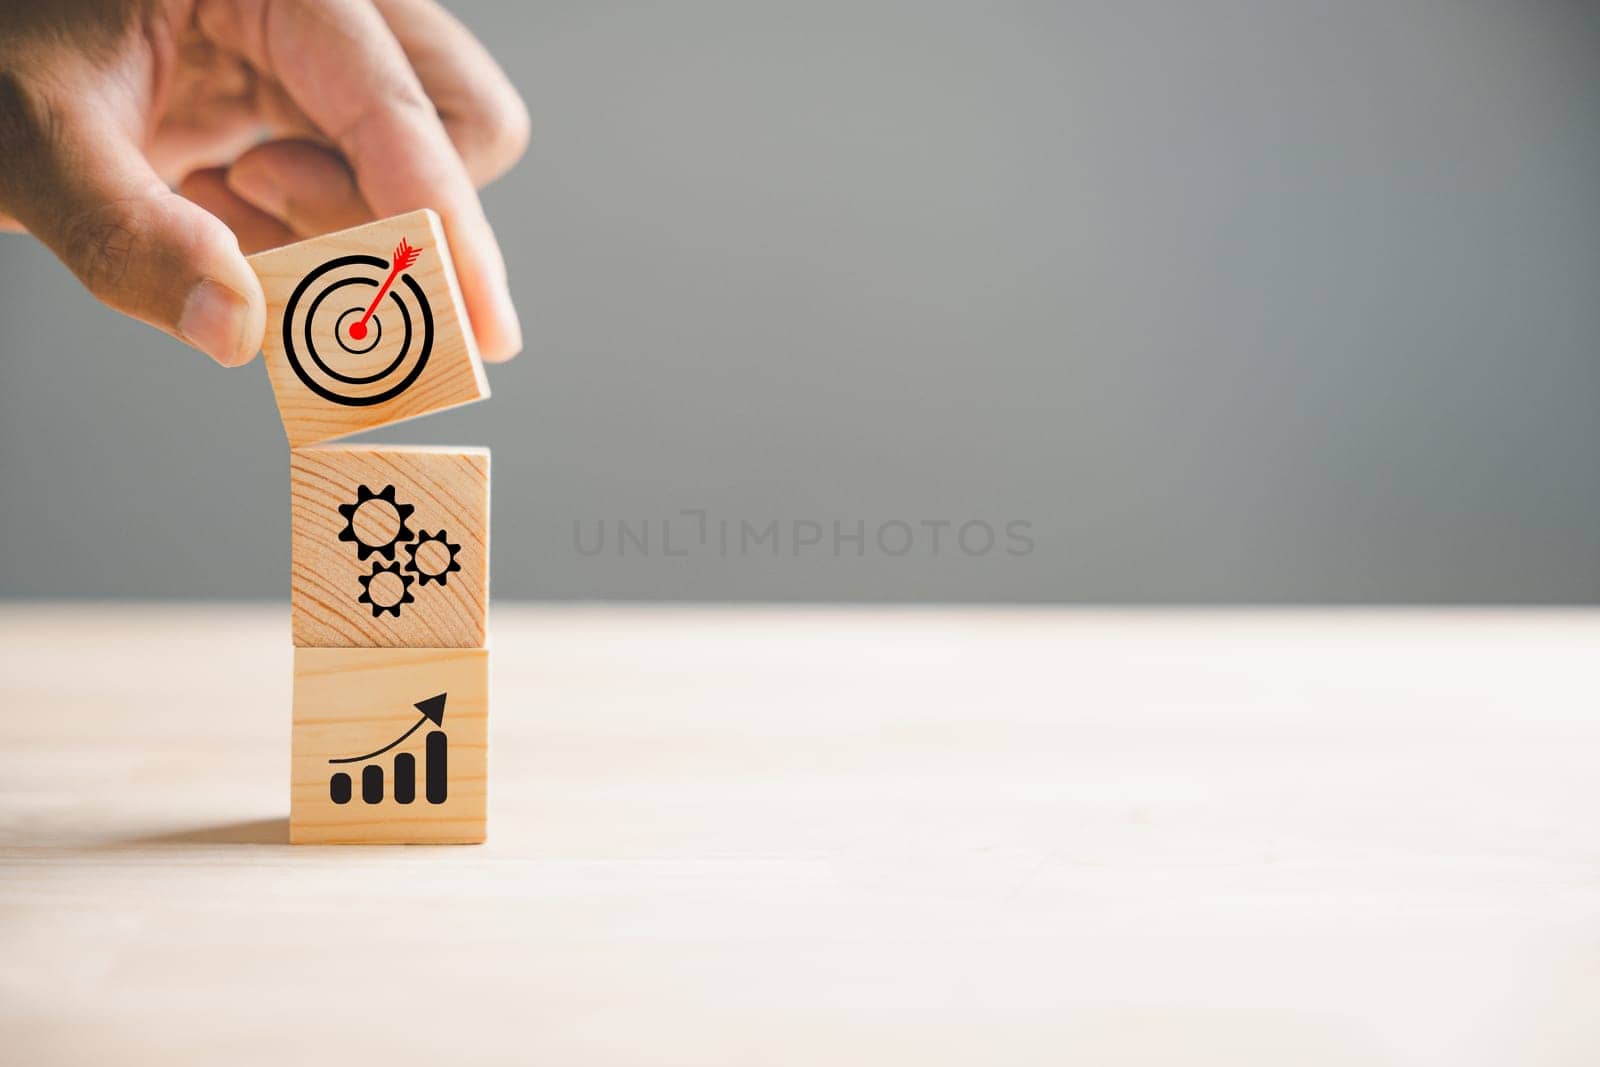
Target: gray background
[[1232, 301]]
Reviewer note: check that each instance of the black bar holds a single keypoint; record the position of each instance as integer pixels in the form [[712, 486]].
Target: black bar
[[405, 778], [372, 784], [339, 788], [438, 767]]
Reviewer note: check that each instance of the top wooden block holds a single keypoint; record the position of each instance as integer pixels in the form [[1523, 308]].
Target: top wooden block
[[336, 370]]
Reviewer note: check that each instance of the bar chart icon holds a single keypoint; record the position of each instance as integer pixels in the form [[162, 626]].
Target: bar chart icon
[[403, 782]]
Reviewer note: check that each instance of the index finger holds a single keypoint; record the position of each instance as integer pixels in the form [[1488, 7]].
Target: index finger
[[341, 65]]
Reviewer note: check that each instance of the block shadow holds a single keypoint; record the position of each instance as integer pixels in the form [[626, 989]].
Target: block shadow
[[250, 832]]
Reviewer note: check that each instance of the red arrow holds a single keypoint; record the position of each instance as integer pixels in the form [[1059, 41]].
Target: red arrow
[[404, 256]]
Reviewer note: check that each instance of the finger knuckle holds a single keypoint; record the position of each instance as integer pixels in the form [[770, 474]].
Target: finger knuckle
[[514, 132], [398, 105], [28, 134], [498, 138], [100, 245]]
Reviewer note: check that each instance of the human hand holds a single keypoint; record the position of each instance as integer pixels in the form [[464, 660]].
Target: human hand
[[275, 120]]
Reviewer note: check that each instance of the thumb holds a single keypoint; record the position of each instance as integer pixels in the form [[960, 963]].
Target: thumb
[[138, 246]]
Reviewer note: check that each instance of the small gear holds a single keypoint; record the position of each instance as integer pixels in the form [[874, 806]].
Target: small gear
[[385, 589], [437, 564], [381, 522]]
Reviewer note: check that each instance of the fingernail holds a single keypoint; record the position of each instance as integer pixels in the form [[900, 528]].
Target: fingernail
[[507, 313], [214, 320]]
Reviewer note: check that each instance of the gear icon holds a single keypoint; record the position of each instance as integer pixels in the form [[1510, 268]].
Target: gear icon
[[375, 522], [438, 558], [385, 589]]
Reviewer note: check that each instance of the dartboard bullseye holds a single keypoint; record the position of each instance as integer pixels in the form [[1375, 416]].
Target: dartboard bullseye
[[366, 327], [358, 330]]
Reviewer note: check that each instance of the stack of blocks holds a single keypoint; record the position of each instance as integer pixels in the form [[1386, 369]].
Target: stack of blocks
[[390, 544]]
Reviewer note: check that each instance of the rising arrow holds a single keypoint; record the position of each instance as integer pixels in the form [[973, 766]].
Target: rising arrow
[[432, 711]]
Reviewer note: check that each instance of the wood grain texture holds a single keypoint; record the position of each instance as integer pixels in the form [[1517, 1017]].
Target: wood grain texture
[[447, 526], [352, 701], [360, 371], [793, 837]]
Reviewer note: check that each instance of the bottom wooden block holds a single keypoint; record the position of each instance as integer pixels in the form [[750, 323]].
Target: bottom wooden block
[[390, 746]]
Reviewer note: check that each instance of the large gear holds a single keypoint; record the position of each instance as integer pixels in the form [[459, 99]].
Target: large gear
[[381, 501], [436, 566], [386, 598]]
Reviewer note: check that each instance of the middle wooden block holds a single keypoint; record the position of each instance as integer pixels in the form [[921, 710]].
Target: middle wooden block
[[390, 546]]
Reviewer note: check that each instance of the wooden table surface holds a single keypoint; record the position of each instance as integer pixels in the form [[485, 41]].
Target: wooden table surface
[[806, 836]]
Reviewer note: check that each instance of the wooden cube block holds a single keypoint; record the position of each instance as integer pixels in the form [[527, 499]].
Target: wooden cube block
[[389, 546], [390, 746], [366, 327]]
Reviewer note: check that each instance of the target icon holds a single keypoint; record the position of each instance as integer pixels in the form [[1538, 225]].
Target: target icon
[[375, 326]]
